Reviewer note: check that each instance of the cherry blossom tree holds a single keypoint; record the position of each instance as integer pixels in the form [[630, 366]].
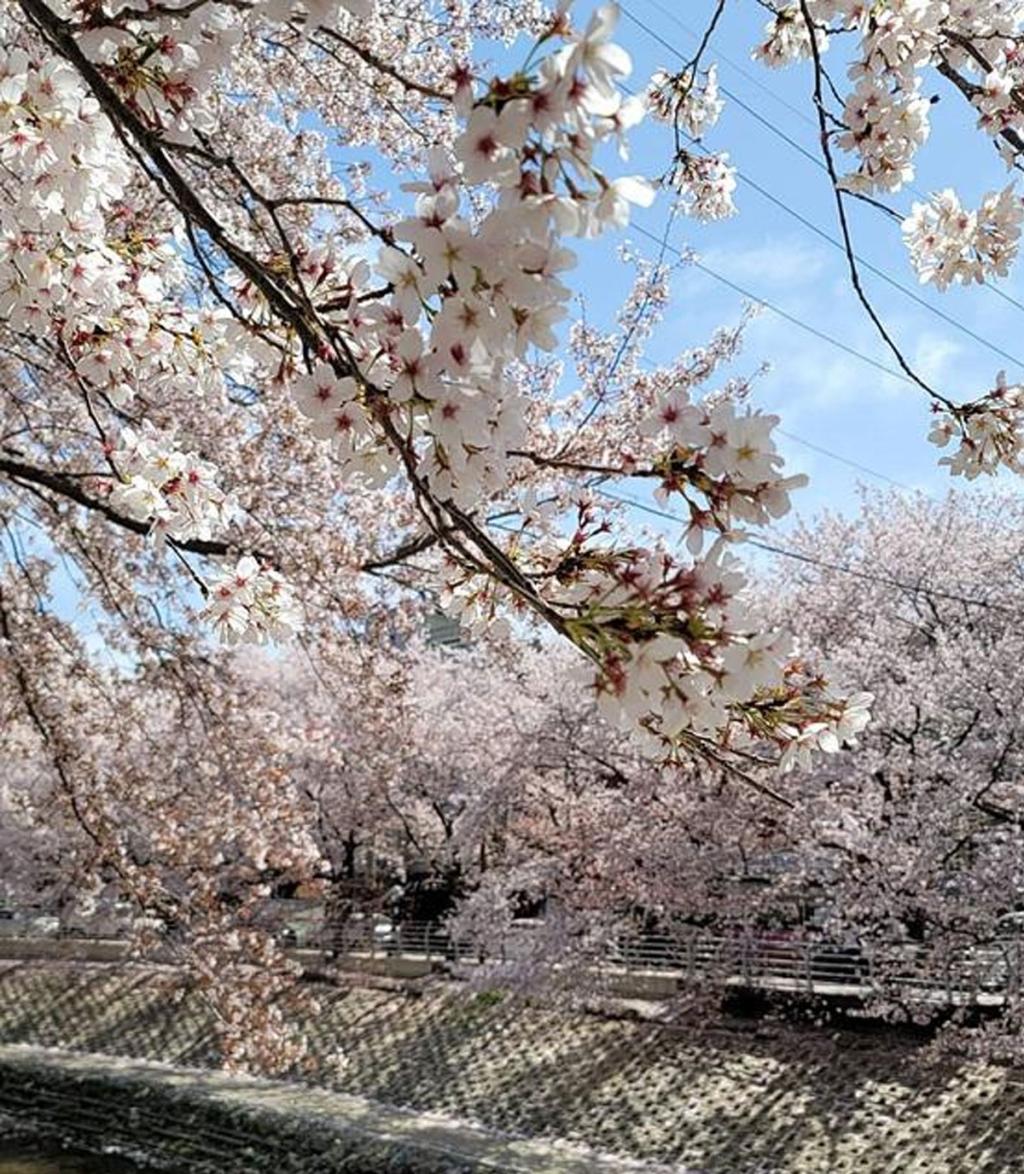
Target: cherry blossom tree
[[166, 790], [916, 836], [224, 337], [288, 359], [445, 767]]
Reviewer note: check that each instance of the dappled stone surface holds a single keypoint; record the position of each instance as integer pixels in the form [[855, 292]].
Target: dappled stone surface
[[714, 1100], [194, 1121]]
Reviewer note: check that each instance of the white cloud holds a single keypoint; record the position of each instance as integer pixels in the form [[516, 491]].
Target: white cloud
[[777, 262]]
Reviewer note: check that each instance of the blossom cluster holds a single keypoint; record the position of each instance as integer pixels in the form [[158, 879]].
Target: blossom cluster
[[704, 182], [948, 243], [727, 456], [76, 263], [252, 604], [469, 296], [787, 39], [843, 720], [335, 412], [689, 101], [168, 68], [681, 681], [885, 130], [886, 115], [676, 655], [491, 290], [176, 492], [712, 674], [69, 172], [705, 185], [990, 431]]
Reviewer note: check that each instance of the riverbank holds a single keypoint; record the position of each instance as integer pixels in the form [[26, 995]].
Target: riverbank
[[32, 1155], [203, 1122], [732, 1098]]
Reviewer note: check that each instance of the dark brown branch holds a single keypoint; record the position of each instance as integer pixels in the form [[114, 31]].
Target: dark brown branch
[[970, 91], [68, 486], [406, 550], [837, 191], [370, 58]]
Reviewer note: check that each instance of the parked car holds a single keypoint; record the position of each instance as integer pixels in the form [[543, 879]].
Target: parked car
[[41, 925], [385, 934]]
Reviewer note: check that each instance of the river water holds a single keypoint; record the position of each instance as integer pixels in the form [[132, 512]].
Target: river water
[[41, 1160]]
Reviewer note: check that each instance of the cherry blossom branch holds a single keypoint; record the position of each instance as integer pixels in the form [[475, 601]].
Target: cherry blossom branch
[[303, 320], [57, 752], [837, 191], [66, 485], [156, 11], [58, 33], [971, 90], [413, 547], [371, 59]]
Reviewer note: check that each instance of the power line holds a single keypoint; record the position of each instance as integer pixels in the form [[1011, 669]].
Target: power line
[[884, 580], [734, 65], [826, 452], [791, 318], [734, 98], [835, 456], [865, 264], [890, 280], [769, 125]]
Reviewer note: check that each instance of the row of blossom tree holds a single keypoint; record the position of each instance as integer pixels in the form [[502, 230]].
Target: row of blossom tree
[[205, 789], [282, 289]]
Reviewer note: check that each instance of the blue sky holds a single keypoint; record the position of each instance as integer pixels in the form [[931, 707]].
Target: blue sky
[[824, 396]]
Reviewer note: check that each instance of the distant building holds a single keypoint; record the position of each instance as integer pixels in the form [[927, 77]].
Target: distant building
[[444, 631]]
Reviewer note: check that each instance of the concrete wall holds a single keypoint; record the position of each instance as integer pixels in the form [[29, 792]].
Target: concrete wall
[[62, 949], [94, 950]]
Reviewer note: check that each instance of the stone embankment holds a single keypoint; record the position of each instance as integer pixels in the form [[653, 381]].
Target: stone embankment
[[205, 1122], [435, 1062]]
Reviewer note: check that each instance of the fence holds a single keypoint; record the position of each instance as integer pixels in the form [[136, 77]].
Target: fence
[[980, 973], [983, 973]]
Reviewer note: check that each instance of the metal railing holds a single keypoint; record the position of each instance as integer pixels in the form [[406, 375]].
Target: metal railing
[[984, 972], [814, 966]]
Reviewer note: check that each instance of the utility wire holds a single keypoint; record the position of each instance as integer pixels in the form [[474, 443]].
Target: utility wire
[[791, 318], [770, 126], [734, 65], [885, 580], [865, 264], [835, 456], [734, 98]]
